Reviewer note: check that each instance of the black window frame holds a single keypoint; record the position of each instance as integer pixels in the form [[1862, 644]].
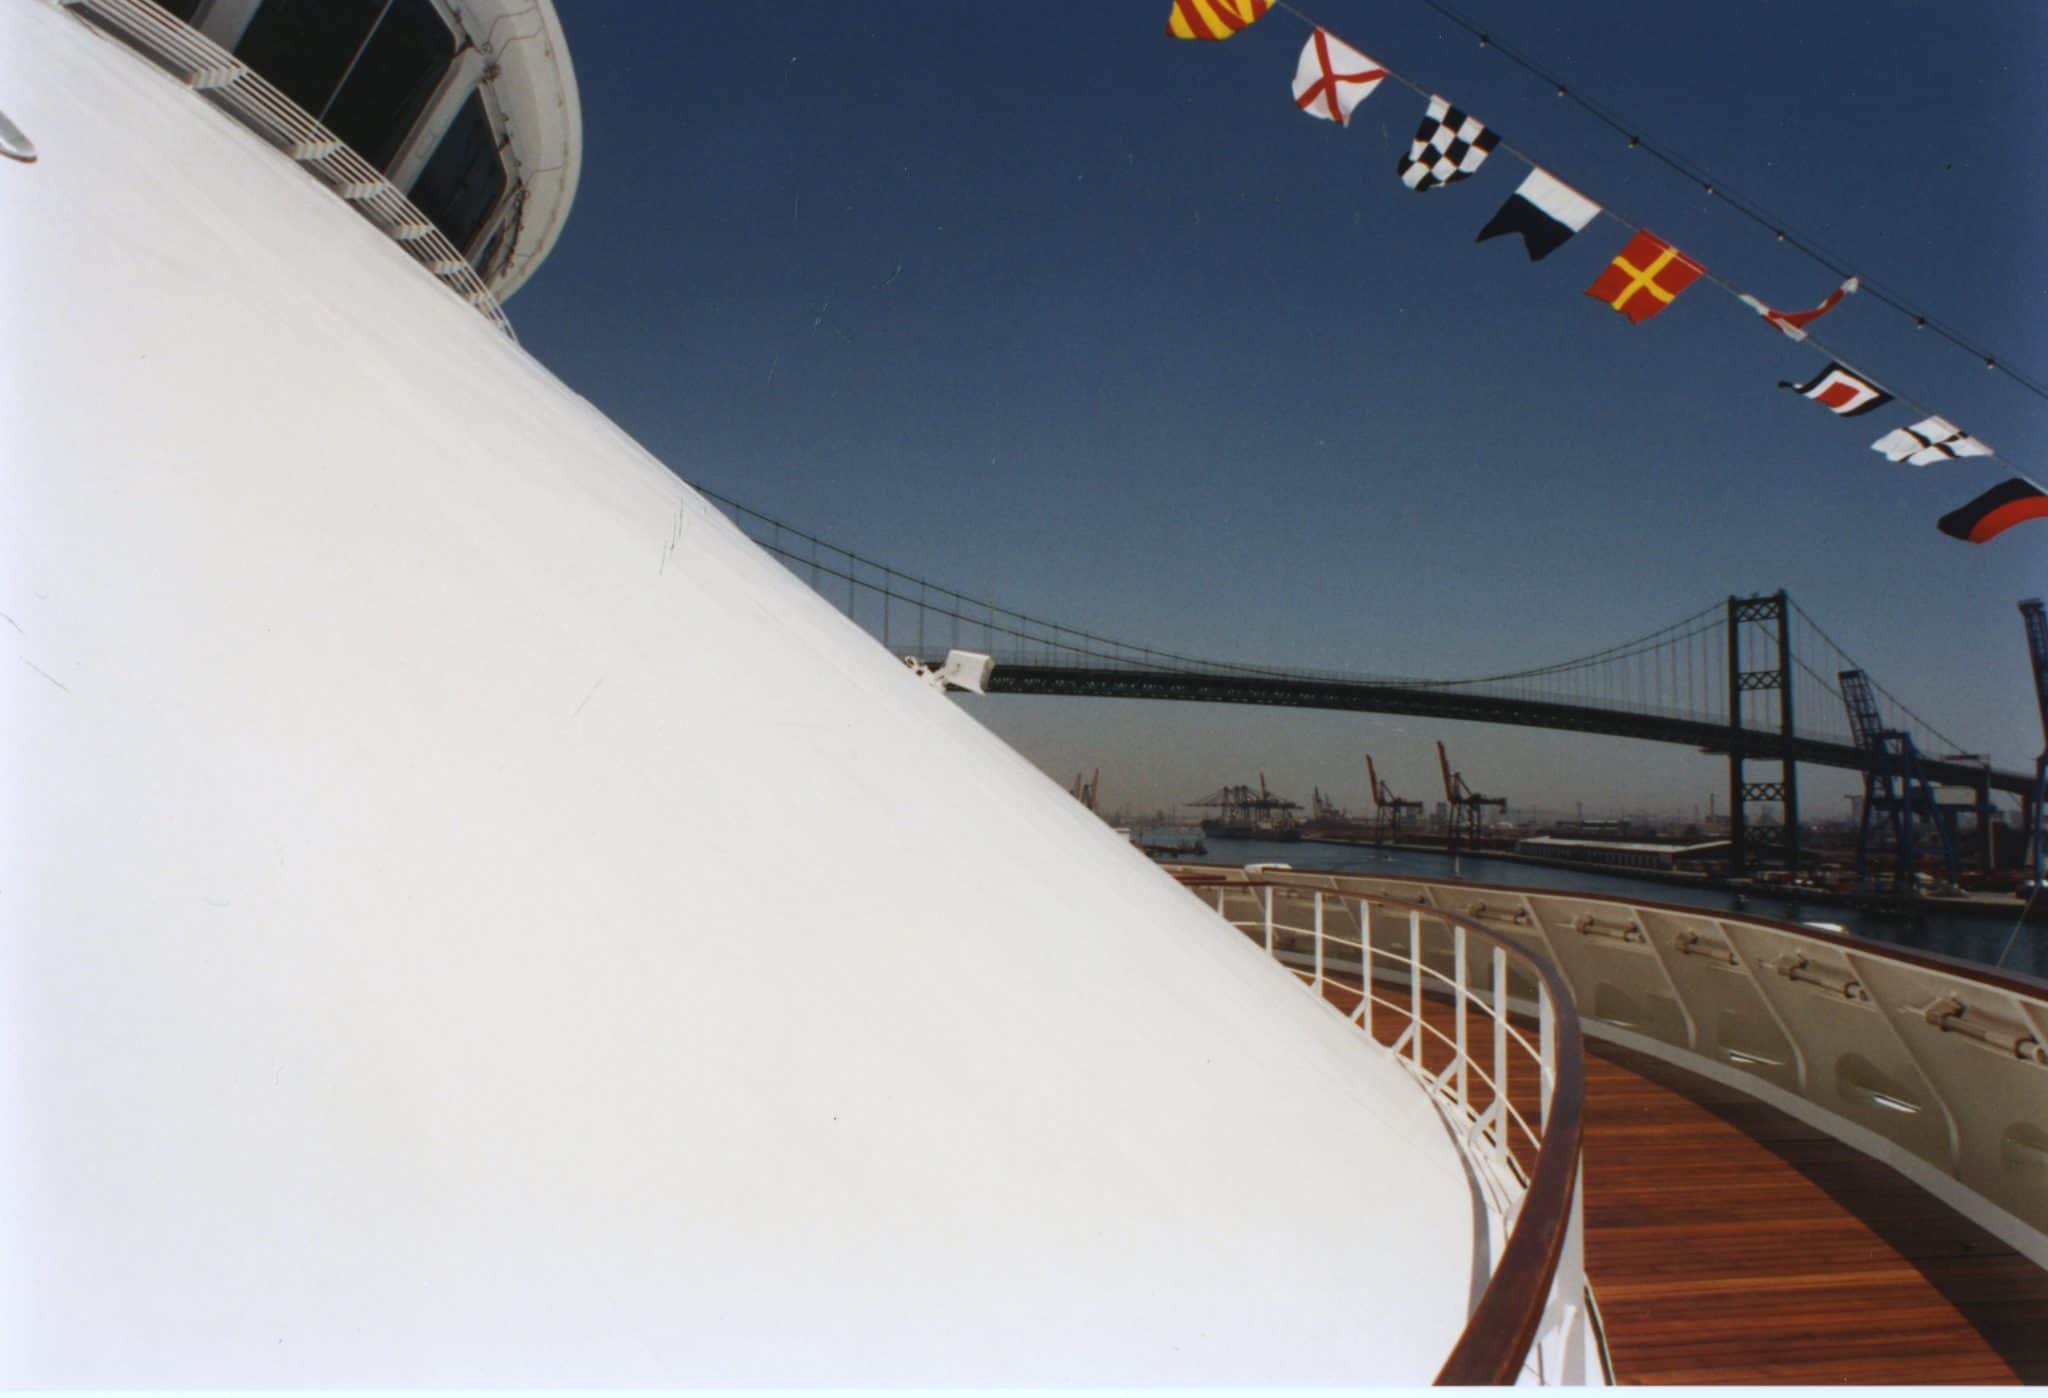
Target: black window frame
[[392, 82], [305, 48], [468, 162]]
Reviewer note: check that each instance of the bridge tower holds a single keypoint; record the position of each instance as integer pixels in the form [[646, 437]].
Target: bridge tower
[[2037, 652], [1769, 619], [1894, 788]]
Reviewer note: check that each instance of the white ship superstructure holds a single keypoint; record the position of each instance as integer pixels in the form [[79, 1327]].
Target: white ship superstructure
[[384, 1000]]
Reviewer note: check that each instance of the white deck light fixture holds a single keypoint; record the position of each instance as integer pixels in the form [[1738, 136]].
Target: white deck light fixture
[[961, 669]]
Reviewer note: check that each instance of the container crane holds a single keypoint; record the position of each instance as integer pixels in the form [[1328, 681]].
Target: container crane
[[1246, 813], [1465, 805], [2037, 652], [1390, 812], [1085, 787], [1893, 787], [1322, 808]]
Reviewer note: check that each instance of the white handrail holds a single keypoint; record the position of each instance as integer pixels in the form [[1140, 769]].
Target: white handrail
[[238, 90], [1347, 947], [1937, 1067]]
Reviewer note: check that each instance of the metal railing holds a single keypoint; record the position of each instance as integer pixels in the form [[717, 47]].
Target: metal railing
[[1935, 1066], [1489, 1032], [237, 89]]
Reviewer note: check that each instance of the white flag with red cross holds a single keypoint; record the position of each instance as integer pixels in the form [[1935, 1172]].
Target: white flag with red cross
[[1332, 77]]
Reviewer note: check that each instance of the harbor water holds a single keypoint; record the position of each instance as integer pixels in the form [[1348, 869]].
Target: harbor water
[[1979, 938]]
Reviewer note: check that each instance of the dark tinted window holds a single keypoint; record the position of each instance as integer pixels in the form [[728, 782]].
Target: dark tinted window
[[304, 46], [465, 176], [389, 86], [183, 9]]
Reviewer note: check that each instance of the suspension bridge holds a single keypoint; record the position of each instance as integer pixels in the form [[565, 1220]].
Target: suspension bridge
[[1753, 678]]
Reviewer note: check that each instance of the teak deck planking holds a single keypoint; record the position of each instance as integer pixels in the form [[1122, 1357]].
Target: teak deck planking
[[1728, 1242]]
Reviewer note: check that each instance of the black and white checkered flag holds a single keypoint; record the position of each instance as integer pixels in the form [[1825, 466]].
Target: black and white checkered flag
[[1448, 146]]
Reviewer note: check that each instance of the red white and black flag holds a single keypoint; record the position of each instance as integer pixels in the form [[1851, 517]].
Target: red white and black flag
[[1332, 77], [1841, 392], [1996, 510], [1545, 211], [1794, 323]]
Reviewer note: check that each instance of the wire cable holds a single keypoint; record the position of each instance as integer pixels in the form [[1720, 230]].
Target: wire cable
[[1748, 208], [1894, 700], [1711, 187], [2021, 921]]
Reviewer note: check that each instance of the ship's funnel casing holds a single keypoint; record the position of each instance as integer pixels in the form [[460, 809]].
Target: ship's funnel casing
[[470, 917]]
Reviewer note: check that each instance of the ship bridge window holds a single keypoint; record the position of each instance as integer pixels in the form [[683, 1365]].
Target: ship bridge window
[[183, 9], [465, 177], [304, 47], [390, 84]]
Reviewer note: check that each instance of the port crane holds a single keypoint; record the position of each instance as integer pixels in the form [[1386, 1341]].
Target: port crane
[[1085, 787], [2037, 652], [1250, 813], [1465, 806], [1390, 812], [1894, 788]]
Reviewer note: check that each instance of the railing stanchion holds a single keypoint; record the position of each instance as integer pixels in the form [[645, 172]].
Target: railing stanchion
[[1365, 962], [1319, 941], [1500, 1055], [1528, 1322], [1415, 987], [1464, 1001]]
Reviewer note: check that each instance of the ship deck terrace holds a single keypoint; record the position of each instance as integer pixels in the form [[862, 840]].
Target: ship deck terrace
[[1728, 1242]]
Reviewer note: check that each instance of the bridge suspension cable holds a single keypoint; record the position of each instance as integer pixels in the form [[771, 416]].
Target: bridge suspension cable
[[1834, 660], [1654, 640], [1678, 672], [881, 587]]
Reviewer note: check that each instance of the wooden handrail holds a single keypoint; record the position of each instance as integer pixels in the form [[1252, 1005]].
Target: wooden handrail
[[1498, 1334], [1494, 1346]]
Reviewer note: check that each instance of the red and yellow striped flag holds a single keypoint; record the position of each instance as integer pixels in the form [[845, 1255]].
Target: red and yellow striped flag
[[1213, 19]]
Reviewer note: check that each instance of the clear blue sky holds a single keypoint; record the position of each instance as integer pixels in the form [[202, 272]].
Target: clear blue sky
[[1053, 308]]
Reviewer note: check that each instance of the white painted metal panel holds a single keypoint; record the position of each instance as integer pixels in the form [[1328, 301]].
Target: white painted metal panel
[[1939, 1070], [467, 916]]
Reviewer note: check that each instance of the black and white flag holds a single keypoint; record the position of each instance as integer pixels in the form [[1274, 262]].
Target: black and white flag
[[1928, 441], [1545, 211], [1448, 146]]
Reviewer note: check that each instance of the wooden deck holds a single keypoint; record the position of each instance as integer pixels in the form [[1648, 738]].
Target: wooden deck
[[1730, 1243]]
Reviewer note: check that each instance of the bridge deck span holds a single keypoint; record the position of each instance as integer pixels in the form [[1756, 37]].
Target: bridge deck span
[[1429, 701]]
